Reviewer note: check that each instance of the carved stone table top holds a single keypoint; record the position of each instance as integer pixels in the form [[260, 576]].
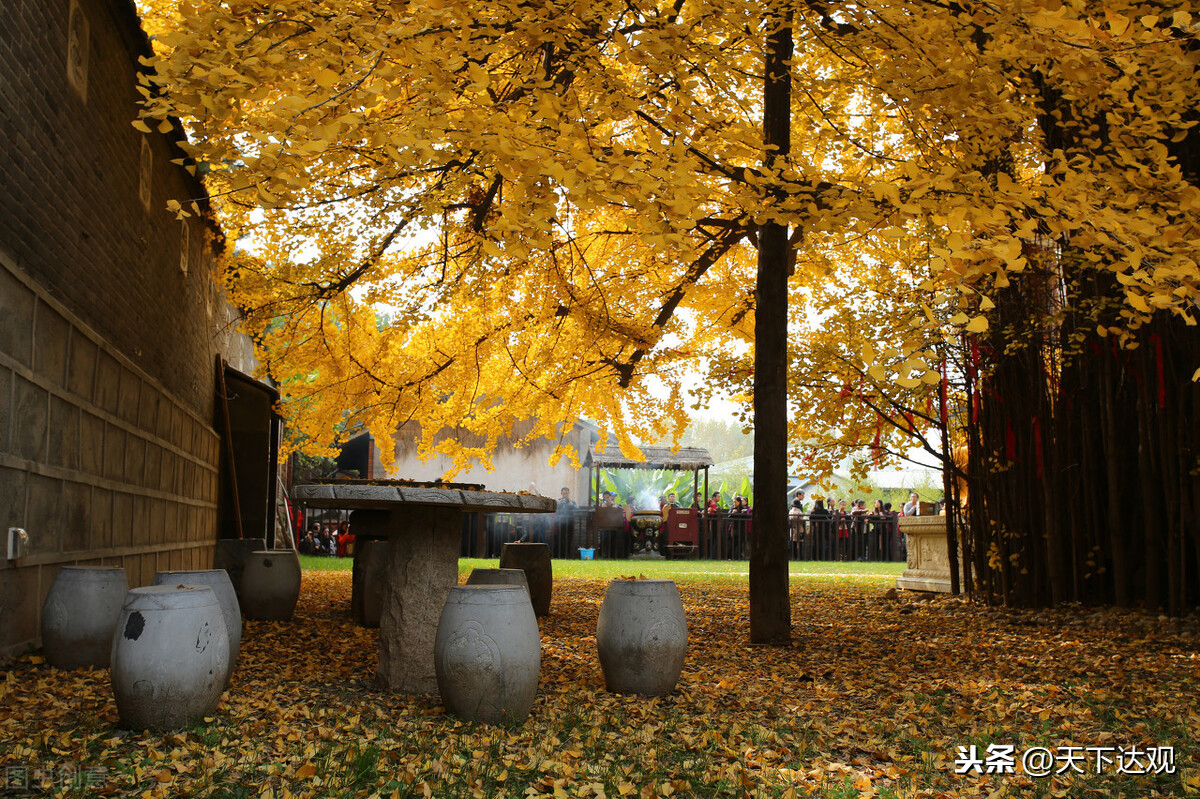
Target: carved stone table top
[[385, 495]]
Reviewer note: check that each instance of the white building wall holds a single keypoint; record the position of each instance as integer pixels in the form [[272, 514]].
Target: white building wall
[[513, 469]]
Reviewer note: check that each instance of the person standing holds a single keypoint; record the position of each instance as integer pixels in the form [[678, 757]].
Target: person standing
[[738, 523], [565, 503], [858, 543], [711, 524], [822, 519], [345, 540], [913, 506], [895, 539], [308, 544], [877, 542], [796, 524], [841, 519]]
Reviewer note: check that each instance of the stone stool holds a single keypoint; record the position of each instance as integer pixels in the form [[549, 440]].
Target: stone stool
[[534, 560]]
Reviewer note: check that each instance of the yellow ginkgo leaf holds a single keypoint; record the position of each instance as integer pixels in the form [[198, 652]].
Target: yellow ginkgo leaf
[[977, 325]]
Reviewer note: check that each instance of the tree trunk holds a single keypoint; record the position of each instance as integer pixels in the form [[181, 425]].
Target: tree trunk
[[949, 492], [770, 607], [1116, 542], [1156, 494]]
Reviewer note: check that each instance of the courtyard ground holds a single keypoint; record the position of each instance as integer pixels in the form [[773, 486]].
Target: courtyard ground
[[878, 695]]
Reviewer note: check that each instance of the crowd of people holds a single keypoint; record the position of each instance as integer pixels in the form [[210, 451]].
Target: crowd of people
[[332, 539], [828, 529], [846, 529], [735, 528]]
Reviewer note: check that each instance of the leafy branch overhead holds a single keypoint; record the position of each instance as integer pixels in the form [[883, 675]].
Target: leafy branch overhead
[[552, 199]]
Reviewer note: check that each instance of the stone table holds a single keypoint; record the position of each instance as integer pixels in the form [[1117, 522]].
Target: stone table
[[424, 529]]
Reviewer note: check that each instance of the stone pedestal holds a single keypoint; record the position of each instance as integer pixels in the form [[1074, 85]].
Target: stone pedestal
[[422, 568], [928, 559], [369, 580], [370, 529]]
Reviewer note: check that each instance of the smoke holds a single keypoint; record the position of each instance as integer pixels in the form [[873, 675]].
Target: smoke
[[647, 500]]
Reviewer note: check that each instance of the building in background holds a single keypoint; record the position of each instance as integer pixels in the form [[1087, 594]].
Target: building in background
[[514, 468]]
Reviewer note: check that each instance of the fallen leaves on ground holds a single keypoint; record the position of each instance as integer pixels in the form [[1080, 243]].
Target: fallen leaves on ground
[[873, 698]]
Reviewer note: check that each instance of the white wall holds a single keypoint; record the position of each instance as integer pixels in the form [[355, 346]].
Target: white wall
[[514, 469]]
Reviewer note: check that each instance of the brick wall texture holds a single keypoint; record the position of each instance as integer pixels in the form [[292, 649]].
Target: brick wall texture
[[107, 450]]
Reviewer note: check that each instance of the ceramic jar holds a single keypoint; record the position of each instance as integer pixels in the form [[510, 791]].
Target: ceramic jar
[[231, 556], [80, 614], [270, 584], [641, 636], [218, 580], [170, 657], [488, 654], [498, 577]]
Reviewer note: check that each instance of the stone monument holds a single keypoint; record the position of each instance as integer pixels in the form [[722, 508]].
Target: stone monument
[[928, 558]]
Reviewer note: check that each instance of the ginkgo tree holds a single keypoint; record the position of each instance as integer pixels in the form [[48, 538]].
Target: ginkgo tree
[[564, 205]]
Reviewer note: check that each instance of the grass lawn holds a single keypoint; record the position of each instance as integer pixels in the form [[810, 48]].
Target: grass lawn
[[873, 698], [850, 575]]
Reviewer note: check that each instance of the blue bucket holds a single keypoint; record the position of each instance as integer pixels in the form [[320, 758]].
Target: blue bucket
[[586, 554]]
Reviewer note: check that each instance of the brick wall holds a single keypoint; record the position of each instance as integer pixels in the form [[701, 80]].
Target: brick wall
[[107, 452]]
